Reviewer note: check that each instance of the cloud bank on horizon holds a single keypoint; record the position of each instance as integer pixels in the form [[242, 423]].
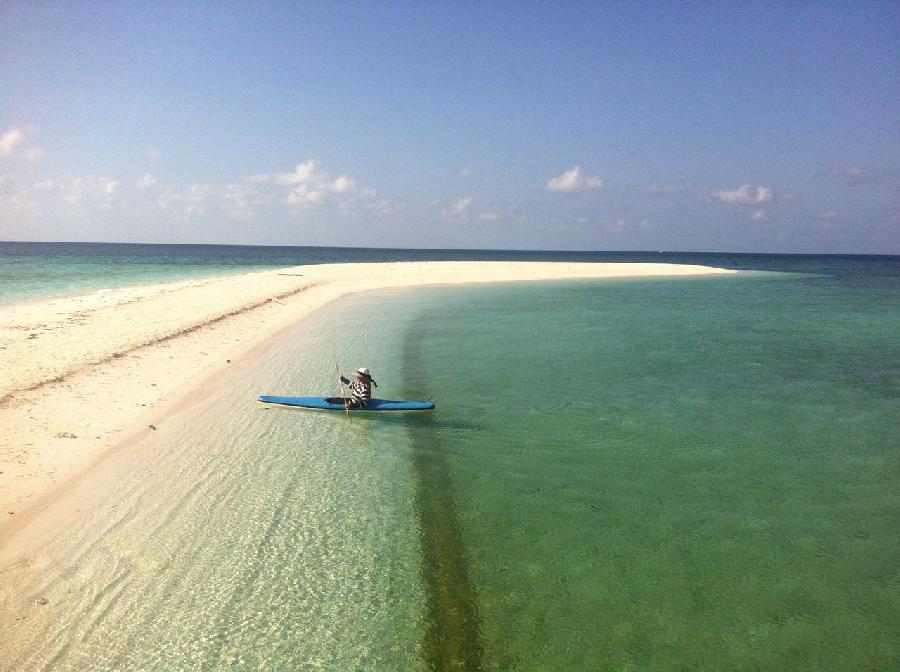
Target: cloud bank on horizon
[[461, 128]]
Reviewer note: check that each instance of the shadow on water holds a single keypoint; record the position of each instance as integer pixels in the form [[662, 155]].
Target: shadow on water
[[452, 637]]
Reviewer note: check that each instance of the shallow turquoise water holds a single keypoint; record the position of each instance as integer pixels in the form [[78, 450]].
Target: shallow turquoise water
[[236, 536], [688, 474], [658, 474]]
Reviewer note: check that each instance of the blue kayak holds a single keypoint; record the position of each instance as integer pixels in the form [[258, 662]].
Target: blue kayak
[[337, 404]]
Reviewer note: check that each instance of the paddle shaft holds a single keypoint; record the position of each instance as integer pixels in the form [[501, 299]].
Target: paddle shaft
[[340, 378]]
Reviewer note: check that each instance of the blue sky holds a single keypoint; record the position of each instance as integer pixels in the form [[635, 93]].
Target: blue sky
[[751, 126]]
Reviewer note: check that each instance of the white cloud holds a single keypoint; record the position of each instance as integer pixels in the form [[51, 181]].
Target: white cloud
[[196, 200], [827, 215], [464, 173], [199, 193], [764, 195], [647, 224], [342, 185], [573, 180], [744, 196], [462, 204], [233, 201], [848, 171], [306, 185], [386, 206], [490, 216], [304, 195], [15, 137], [759, 215], [668, 187], [852, 175], [617, 225], [14, 197], [312, 187], [190, 202], [458, 208], [302, 174], [10, 139], [240, 201], [101, 190]]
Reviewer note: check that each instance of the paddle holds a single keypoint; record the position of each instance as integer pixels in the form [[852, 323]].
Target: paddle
[[340, 378]]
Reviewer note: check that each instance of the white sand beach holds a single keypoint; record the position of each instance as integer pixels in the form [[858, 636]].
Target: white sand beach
[[85, 375]]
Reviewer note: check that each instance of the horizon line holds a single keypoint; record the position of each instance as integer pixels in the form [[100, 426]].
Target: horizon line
[[461, 249]]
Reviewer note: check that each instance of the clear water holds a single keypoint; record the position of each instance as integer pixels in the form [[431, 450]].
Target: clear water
[[37, 270], [695, 473], [692, 474], [234, 537]]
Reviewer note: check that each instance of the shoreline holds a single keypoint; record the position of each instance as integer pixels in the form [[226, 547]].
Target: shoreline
[[89, 375]]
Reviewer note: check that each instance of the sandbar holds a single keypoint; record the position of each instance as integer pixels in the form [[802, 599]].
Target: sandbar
[[85, 375]]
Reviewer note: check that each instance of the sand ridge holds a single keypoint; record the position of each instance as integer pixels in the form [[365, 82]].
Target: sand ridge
[[81, 374]]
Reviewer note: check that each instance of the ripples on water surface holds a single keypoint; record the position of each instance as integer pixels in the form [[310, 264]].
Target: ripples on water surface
[[245, 538], [649, 475]]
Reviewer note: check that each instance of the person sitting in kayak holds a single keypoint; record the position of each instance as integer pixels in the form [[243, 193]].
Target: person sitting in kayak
[[361, 388]]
